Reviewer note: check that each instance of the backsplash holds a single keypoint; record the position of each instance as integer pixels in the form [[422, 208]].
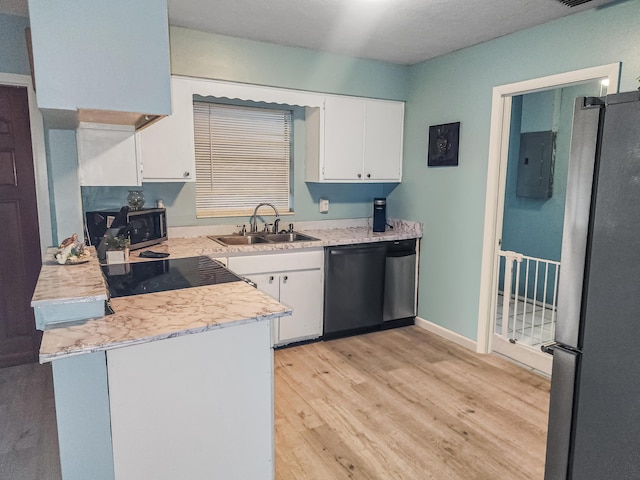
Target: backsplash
[[346, 201], [203, 230]]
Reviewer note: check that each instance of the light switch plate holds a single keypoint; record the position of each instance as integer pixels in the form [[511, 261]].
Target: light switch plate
[[324, 205]]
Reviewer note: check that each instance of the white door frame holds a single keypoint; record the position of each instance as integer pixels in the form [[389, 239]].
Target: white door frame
[[496, 177], [39, 157]]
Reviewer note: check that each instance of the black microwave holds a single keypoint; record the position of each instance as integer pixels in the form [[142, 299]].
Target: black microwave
[[147, 226]]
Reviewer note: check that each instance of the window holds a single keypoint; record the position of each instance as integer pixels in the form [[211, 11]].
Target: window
[[243, 157]]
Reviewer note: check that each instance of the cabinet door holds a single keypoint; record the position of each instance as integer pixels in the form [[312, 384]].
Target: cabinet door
[[343, 138], [383, 141], [302, 292], [166, 147], [269, 283], [107, 155]]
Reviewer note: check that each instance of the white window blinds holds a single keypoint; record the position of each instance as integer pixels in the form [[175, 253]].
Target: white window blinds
[[242, 158]]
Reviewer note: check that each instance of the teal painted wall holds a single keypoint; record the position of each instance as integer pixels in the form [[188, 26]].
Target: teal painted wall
[[64, 186], [539, 111], [13, 45], [458, 87], [208, 55]]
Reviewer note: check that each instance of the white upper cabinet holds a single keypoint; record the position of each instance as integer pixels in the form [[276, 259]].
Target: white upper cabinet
[[344, 138], [349, 139], [165, 148], [384, 123], [356, 140], [107, 155]]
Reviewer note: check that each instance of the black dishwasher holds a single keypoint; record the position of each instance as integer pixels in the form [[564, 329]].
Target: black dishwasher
[[354, 289]]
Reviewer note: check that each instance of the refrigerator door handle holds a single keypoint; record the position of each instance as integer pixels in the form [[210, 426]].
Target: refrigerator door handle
[[548, 347], [552, 346]]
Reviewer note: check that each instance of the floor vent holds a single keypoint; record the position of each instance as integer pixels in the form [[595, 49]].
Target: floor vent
[[573, 3]]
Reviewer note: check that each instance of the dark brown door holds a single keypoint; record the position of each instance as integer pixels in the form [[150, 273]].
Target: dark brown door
[[19, 236]]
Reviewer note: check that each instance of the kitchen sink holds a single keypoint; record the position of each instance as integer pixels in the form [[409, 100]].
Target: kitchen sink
[[261, 238]]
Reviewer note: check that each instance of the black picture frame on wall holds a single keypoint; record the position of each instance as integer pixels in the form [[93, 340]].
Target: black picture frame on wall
[[443, 145]]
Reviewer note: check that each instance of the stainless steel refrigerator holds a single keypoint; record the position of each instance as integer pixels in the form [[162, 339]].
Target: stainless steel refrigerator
[[594, 417]]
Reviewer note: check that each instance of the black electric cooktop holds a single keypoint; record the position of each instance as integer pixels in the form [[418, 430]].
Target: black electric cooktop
[[163, 275]]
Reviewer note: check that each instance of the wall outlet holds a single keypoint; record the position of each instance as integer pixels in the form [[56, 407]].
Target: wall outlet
[[324, 205]]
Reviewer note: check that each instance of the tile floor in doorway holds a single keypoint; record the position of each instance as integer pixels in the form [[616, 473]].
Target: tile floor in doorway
[[534, 326]]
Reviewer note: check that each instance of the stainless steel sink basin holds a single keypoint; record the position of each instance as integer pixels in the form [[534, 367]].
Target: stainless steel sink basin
[[251, 239], [228, 240], [288, 237]]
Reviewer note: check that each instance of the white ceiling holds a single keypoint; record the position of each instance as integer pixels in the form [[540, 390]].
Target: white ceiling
[[397, 31]]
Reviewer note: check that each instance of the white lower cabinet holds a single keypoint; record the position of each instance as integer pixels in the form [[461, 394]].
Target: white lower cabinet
[[295, 280], [270, 284]]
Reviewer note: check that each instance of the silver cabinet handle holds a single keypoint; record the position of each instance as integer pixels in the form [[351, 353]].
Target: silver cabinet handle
[[186, 174], [271, 279], [368, 175], [285, 278], [359, 175]]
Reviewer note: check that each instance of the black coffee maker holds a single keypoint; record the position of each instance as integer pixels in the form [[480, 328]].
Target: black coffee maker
[[379, 214]]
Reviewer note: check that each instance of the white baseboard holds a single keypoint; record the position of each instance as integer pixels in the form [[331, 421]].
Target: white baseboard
[[446, 333]]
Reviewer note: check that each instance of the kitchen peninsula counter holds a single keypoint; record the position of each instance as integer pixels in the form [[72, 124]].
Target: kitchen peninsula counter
[[74, 295], [156, 316], [192, 366]]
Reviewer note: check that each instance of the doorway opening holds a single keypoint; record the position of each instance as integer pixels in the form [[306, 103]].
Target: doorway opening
[[529, 149]]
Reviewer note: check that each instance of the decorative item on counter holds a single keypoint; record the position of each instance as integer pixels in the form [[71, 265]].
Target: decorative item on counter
[[72, 251], [135, 199], [160, 203], [117, 249]]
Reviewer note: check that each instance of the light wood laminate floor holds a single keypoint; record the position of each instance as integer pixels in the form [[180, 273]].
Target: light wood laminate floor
[[406, 404], [400, 404]]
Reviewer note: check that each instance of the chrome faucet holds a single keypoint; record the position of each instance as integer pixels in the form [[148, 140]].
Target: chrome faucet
[[254, 221]]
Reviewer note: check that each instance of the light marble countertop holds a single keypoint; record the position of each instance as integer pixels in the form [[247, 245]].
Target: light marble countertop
[[68, 283], [200, 244], [155, 316]]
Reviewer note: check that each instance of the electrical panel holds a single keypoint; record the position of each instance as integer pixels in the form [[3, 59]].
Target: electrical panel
[[535, 164]]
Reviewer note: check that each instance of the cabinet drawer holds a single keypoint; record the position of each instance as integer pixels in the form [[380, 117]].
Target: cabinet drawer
[[277, 262]]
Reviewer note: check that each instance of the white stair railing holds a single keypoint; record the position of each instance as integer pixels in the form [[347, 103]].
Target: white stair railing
[[526, 307]]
